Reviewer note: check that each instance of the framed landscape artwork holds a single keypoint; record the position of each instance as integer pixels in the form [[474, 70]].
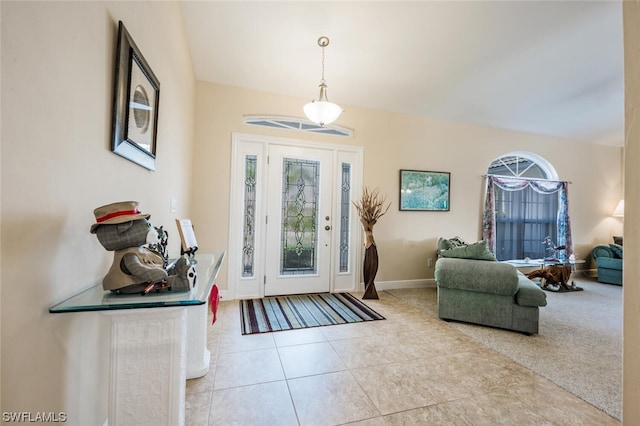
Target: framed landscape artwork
[[135, 106], [424, 191]]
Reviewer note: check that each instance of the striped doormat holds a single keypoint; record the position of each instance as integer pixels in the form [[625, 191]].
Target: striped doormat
[[278, 313]]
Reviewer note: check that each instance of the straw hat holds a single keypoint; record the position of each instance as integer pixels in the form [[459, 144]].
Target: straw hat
[[120, 212]]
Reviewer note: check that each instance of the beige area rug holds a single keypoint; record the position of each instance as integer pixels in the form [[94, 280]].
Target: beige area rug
[[578, 347]]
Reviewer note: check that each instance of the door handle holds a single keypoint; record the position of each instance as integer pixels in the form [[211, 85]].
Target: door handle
[[327, 228]]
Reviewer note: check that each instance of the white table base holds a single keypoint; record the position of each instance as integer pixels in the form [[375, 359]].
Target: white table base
[[198, 356], [148, 366]]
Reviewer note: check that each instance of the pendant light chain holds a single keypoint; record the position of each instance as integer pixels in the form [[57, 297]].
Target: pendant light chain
[[322, 79]]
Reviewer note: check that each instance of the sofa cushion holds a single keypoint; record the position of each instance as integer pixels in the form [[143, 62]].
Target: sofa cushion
[[616, 249], [529, 294], [609, 263], [449, 243], [477, 275], [477, 251]]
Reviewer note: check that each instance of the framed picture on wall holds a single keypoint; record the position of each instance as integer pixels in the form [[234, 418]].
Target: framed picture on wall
[[135, 106], [424, 191]]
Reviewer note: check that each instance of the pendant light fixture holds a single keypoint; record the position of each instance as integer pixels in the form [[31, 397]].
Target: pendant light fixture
[[322, 111]]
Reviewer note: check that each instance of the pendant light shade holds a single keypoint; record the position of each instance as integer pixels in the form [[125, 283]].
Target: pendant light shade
[[322, 111]]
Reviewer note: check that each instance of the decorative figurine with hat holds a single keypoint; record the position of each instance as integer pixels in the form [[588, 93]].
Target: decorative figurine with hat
[[123, 229]]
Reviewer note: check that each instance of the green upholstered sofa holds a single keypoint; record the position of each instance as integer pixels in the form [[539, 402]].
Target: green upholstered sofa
[[488, 293], [609, 262]]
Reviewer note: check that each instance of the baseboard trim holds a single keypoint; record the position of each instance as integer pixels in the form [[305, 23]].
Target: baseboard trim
[[393, 285], [590, 273], [380, 285]]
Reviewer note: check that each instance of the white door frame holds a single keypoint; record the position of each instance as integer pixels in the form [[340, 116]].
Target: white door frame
[[252, 285]]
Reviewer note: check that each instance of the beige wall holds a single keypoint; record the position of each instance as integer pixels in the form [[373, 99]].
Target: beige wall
[[57, 87], [631, 368], [392, 142]]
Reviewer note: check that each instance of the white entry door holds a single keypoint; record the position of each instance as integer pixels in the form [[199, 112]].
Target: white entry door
[[299, 220]]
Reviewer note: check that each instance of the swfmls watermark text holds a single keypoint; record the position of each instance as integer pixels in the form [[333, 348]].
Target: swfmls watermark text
[[39, 417]]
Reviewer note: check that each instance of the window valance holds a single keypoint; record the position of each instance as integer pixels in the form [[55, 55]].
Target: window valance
[[518, 184], [542, 186]]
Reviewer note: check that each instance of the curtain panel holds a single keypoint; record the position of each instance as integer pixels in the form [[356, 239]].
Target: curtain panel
[[518, 184]]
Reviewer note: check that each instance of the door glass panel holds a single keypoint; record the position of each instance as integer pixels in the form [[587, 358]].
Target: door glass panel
[[300, 193], [345, 217], [248, 233]]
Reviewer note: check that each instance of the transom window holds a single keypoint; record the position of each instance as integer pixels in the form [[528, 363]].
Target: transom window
[[517, 166], [291, 123]]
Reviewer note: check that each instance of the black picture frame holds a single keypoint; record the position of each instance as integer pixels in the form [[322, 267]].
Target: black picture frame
[[424, 190], [135, 105]]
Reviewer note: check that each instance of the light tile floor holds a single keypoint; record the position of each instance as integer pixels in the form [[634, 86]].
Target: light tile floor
[[409, 369]]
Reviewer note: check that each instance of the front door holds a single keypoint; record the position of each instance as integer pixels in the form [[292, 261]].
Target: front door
[[299, 220]]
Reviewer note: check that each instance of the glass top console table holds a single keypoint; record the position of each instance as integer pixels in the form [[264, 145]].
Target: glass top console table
[[157, 341], [96, 299]]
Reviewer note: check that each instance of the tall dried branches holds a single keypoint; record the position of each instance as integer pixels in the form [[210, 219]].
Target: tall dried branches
[[371, 206]]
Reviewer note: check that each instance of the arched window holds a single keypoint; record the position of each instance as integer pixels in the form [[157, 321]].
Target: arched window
[[525, 205], [523, 165]]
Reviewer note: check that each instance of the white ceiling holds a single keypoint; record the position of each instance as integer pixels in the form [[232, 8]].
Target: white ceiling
[[543, 67]]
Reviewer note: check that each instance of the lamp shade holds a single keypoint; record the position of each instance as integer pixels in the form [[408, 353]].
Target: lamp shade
[[619, 210], [322, 112]]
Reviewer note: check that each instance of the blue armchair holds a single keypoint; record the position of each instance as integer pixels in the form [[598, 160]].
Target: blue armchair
[[609, 262]]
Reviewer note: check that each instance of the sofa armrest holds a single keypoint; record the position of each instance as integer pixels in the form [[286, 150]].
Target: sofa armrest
[[602, 251], [482, 276], [529, 294]]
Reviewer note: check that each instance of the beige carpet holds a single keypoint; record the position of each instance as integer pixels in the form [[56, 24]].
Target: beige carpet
[[579, 345]]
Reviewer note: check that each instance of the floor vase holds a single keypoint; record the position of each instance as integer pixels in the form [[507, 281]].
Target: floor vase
[[369, 272], [370, 209]]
